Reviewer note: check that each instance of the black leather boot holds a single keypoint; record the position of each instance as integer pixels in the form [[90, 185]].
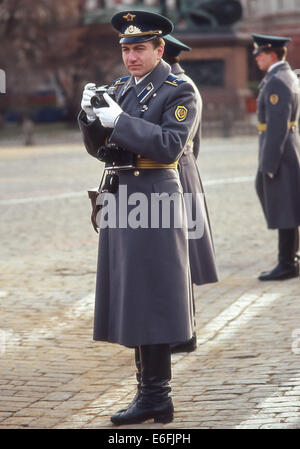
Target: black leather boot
[[288, 260], [284, 270], [153, 401], [138, 378]]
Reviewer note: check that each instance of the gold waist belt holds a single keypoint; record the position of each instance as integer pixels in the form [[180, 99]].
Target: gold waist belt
[[148, 163], [263, 126]]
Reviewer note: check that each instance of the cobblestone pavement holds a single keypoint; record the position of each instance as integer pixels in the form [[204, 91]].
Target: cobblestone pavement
[[245, 372]]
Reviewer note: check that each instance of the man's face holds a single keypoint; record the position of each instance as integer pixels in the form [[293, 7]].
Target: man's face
[[265, 60], [141, 58]]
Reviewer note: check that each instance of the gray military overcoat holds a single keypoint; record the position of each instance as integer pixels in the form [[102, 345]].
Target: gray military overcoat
[[201, 250], [143, 286], [279, 148]]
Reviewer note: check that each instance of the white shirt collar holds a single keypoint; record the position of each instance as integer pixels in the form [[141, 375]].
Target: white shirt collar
[[275, 65], [141, 79]]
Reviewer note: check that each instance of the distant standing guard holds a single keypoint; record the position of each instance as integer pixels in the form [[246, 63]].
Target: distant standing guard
[[201, 250], [278, 177]]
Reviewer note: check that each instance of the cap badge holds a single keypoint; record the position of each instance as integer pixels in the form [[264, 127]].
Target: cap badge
[[129, 17], [132, 29]]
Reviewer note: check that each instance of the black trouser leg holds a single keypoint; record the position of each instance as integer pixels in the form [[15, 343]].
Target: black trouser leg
[[288, 245], [288, 261], [153, 401]]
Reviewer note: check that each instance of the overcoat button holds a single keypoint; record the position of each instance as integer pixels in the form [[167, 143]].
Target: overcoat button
[[136, 173]]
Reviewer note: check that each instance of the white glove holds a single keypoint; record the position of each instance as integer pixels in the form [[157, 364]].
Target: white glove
[[88, 93], [108, 116]]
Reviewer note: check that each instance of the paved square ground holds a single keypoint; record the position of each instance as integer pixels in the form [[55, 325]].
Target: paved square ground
[[245, 372]]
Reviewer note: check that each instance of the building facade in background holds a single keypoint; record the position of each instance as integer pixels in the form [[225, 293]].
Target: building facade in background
[[275, 17], [84, 47]]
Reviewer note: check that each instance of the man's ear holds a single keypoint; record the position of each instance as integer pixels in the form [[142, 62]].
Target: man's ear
[[160, 51], [274, 56]]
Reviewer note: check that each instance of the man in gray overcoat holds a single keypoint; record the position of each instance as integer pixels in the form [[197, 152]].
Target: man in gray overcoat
[[143, 287], [201, 249], [278, 177]]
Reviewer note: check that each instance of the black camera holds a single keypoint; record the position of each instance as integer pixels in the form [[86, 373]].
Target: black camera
[[115, 157], [97, 101]]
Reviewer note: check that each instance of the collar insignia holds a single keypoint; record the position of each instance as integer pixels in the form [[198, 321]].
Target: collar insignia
[[145, 92]]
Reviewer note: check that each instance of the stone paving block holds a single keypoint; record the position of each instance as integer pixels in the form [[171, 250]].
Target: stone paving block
[[12, 407], [18, 421], [44, 404], [58, 396], [4, 415], [44, 423]]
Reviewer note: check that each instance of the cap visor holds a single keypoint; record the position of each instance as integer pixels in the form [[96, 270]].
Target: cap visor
[[136, 39]]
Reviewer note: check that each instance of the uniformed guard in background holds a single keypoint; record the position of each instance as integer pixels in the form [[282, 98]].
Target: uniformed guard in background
[[143, 286], [201, 250], [278, 177]]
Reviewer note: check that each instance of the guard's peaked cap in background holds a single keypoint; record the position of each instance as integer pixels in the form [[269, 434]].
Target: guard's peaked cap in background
[[174, 46], [264, 42], [140, 26]]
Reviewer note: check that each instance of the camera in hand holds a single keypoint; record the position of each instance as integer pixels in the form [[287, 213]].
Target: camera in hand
[[113, 156], [97, 101]]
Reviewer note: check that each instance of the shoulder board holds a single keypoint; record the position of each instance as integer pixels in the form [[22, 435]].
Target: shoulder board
[[173, 80], [119, 81]]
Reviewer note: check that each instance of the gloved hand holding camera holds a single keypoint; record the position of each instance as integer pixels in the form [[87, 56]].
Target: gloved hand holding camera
[[108, 115], [96, 102], [88, 93]]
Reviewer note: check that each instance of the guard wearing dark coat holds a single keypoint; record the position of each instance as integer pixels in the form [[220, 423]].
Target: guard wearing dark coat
[[143, 288], [201, 249], [278, 177]]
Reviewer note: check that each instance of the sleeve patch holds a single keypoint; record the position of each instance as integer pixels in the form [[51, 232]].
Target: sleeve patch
[[181, 113], [274, 99]]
